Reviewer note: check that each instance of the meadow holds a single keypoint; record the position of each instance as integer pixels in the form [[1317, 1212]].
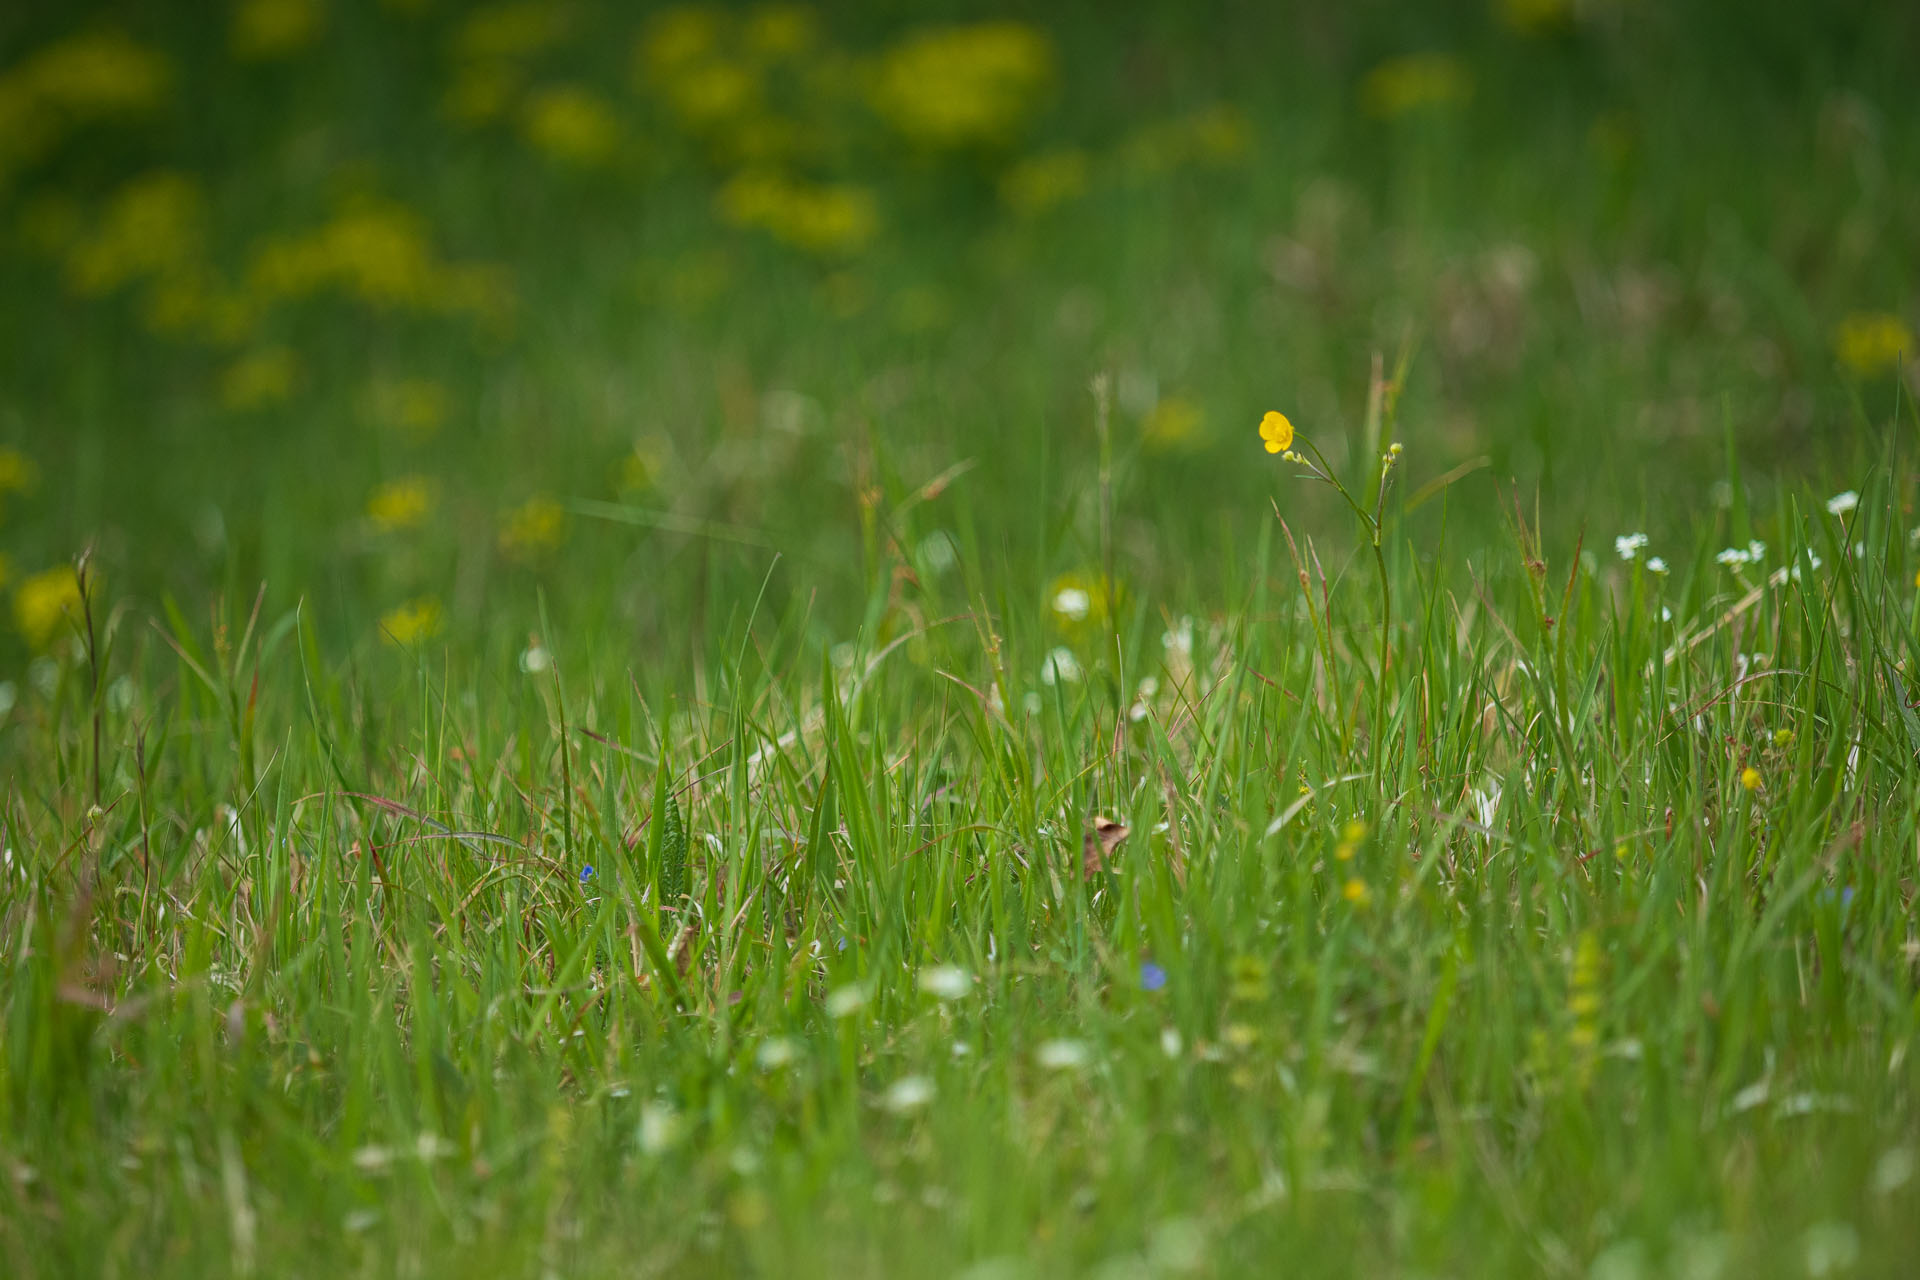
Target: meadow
[[982, 641]]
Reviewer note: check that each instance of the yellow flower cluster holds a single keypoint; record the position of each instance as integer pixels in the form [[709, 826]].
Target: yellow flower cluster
[[820, 218], [378, 253], [1415, 82], [533, 529], [94, 76], [46, 603], [571, 125], [754, 88], [264, 30], [412, 622], [963, 86], [1873, 342], [492, 49], [153, 226]]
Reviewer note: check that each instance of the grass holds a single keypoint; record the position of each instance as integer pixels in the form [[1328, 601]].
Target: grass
[[926, 818]]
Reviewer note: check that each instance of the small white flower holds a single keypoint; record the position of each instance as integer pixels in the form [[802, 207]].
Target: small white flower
[[776, 1053], [844, 1001], [1734, 558], [1656, 565], [1179, 640], [945, 982], [372, 1159], [1062, 1055], [660, 1128], [1756, 551], [1170, 1043], [535, 660], [1841, 503], [1060, 667], [1072, 603], [908, 1093], [1629, 545]]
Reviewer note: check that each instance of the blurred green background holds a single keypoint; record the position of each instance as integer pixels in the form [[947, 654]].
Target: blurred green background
[[419, 309]]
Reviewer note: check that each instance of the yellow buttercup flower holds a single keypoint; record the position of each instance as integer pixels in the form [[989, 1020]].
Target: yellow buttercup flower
[[1750, 778], [1356, 892], [45, 602], [1276, 431], [412, 622], [400, 504], [1873, 342], [533, 528]]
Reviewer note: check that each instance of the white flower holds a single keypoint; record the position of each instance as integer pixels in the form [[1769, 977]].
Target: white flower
[[1060, 667], [847, 1000], [1841, 503], [372, 1159], [1656, 565], [535, 660], [1179, 640], [1170, 1041], [1072, 603], [1734, 557], [945, 982], [776, 1053], [1756, 551], [908, 1093], [1062, 1055], [1629, 544], [660, 1128]]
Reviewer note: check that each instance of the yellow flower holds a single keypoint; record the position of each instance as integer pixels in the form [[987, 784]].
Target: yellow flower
[[97, 74], [1350, 837], [44, 603], [1043, 182], [412, 622], [481, 91], [781, 30], [1356, 892], [1873, 342], [17, 472], [1415, 82], [1535, 17], [152, 226], [266, 29], [259, 380], [1173, 424], [818, 218], [533, 528], [572, 126], [963, 86], [1276, 431], [1750, 778], [400, 504]]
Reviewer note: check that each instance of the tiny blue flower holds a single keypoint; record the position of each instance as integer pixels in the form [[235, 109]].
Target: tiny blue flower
[[1152, 976], [586, 873]]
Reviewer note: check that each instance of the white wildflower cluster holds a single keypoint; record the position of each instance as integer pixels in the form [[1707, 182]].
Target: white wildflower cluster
[[1842, 503], [1630, 545], [1736, 558]]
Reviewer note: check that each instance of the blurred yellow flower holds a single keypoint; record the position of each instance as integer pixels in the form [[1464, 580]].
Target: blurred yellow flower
[[571, 125], [781, 30], [481, 91], [412, 622], [153, 225], [534, 528], [675, 39], [417, 406], [643, 465], [832, 218], [1873, 342], [963, 86], [45, 602], [400, 504], [1042, 182], [1750, 778], [1356, 892], [1216, 135], [379, 253], [17, 472], [1172, 424], [1276, 431], [1535, 17], [508, 31], [258, 380], [1415, 82], [99, 73], [268, 29]]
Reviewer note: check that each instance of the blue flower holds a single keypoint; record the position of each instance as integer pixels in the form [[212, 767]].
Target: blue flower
[[1152, 976], [586, 873]]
